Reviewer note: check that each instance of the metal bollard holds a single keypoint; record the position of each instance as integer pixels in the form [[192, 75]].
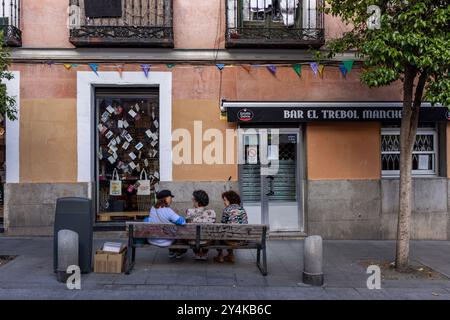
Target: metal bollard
[[67, 253], [313, 261]]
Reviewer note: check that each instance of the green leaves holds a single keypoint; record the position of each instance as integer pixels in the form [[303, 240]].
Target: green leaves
[[414, 35], [7, 103]]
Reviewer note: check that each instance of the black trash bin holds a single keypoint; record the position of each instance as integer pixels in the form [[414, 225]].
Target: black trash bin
[[75, 214]]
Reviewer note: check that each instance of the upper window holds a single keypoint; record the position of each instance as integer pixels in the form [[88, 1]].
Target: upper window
[[425, 152], [120, 23], [10, 22], [274, 23]]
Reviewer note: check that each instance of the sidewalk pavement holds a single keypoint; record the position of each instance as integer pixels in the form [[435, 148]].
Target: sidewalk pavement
[[30, 275]]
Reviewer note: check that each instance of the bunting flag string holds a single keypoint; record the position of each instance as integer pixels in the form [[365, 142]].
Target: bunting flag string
[[120, 68], [298, 69], [344, 66], [343, 70], [246, 68], [348, 65], [146, 69], [315, 68], [321, 70], [272, 69], [94, 67]]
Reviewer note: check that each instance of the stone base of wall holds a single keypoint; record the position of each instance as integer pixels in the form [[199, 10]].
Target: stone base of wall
[[369, 209], [30, 207]]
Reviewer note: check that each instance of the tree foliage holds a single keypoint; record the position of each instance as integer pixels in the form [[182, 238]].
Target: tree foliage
[[413, 36], [7, 103]]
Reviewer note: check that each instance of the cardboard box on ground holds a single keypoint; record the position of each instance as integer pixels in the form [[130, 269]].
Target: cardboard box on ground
[[109, 262]]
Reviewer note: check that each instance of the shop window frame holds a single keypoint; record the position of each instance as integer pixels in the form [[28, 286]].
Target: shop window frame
[[430, 130]]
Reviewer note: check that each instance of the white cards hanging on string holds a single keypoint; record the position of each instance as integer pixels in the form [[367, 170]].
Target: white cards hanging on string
[[113, 142], [156, 123], [146, 162], [132, 113], [132, 165], [139, 146], [129, 138], [132, 155], [125, 124], [112, 160], [109, 134], [110, 109], [125, 145], [137, 107], [120, 124], [149, 133], [118, 140]]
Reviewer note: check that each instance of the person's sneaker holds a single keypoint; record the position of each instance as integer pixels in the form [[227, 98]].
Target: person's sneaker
[[180, 255], [172, 255]]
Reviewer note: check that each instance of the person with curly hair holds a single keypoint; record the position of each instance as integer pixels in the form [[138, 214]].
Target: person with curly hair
[[233, 213], [199, 214]]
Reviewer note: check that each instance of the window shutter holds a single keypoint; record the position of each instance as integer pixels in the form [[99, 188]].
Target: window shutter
[[103, 8]]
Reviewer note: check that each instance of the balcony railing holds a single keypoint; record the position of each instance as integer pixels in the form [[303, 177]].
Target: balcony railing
[[275, 23], [10, 22], [121, 23]]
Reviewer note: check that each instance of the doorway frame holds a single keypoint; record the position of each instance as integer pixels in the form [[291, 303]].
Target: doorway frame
[[300, 169]]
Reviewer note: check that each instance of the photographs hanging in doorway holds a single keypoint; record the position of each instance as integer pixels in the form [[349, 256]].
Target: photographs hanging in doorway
[[128, 156]]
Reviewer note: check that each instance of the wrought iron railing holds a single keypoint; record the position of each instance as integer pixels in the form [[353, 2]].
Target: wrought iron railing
[[10, 22], [275, 23], [139, 23]]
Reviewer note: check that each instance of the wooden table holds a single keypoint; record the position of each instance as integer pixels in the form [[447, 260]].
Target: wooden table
[[128, 215]]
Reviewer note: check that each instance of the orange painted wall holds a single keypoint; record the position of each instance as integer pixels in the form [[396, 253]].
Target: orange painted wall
[[198, 24], [185, 113], [44, 24], [342, 151], [48, 150], [196, 96]]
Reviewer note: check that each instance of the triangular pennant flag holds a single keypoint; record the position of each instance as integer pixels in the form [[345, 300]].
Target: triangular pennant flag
[[272, 69], [68, 66], [146, 69], [343, 69], [348, 65], [321, 68], [314, 67], [94, 67], [220, 66], [170, 65], [298, 69], [246, 68], [120, 68]]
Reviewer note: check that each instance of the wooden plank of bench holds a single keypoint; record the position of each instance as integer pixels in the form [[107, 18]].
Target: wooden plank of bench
[[248, 232], [163, 231]]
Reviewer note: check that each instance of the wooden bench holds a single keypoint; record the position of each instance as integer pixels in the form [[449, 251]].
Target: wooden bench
[[252, 237]]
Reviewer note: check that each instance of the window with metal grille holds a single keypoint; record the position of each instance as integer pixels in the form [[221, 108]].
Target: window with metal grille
[[425, 153]]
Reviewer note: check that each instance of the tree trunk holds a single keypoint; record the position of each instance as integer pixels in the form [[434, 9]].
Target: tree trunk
[[410, 120]]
